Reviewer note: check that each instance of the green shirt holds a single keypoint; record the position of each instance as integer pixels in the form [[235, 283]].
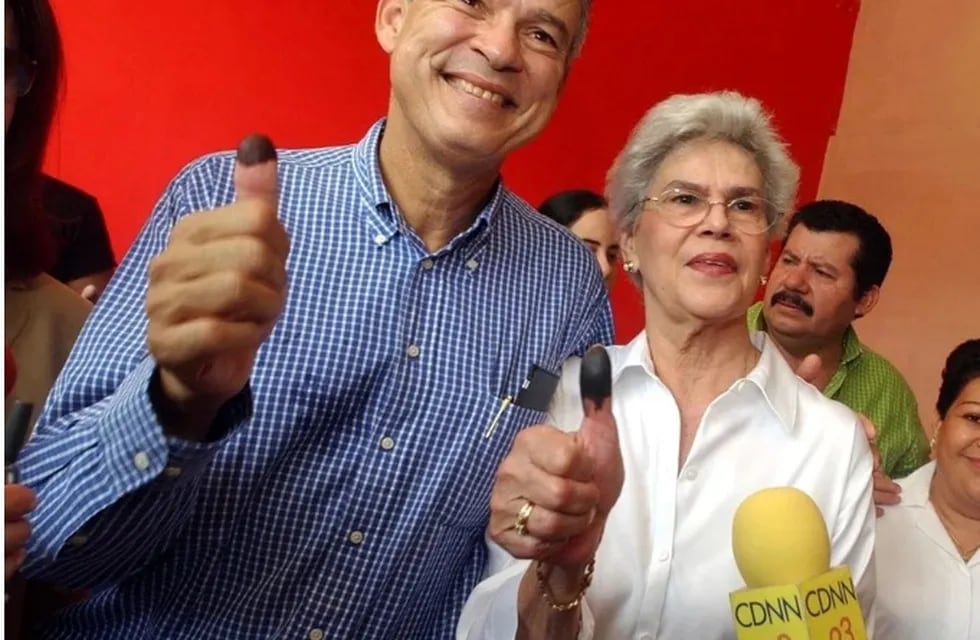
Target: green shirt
[[869, 384]]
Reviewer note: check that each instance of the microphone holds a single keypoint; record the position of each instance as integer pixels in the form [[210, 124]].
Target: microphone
[[782, 550]]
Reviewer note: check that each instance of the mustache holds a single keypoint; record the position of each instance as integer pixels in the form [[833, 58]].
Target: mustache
[[793, 299]]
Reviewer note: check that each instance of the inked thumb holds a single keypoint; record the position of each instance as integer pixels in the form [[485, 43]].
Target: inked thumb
[[256, 166], [598, 432], [595, 382]]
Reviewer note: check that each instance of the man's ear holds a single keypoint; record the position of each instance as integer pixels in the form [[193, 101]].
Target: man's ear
[[867, 302], [388, 22]]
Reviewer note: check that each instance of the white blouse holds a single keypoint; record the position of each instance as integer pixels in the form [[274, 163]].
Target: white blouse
[[925, 590], [665, 567]]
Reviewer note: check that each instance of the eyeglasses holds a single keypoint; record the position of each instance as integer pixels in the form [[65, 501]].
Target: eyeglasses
[[684, 208], [19, 72]]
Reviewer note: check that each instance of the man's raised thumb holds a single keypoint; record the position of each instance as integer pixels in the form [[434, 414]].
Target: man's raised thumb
[[256, 166]]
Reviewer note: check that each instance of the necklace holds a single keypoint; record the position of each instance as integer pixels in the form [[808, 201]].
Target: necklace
[[962, 549]]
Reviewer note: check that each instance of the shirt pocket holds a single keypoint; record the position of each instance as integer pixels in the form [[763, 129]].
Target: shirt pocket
[[464, 496]]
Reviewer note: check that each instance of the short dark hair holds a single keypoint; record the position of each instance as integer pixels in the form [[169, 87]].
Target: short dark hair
[[962, 367], [874, 254], [28, 243], [568, 206]]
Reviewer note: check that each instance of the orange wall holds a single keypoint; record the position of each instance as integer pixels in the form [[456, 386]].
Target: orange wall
[[151, 85], [906, 149]]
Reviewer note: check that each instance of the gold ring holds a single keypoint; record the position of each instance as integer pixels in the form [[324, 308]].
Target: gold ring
[[523, 515]]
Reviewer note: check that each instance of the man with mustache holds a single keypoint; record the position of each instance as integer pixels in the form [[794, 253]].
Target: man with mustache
[[830, 272]]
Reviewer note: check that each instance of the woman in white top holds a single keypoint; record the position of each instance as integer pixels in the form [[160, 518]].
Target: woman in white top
[[928, 546], [706, 413]]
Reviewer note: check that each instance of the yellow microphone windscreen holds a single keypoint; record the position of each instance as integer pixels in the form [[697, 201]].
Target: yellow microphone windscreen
[[779, 538]]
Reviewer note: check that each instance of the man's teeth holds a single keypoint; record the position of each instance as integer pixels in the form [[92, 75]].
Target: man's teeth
[[474, 90]]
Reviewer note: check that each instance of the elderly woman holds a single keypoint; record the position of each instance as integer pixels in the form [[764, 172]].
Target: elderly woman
[[929, 546], [637, 544]]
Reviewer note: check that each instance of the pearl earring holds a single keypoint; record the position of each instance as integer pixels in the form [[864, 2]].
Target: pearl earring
[[629, 266], [763, 280]]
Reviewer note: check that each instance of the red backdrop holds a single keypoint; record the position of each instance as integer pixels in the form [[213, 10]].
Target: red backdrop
[[151, 85]]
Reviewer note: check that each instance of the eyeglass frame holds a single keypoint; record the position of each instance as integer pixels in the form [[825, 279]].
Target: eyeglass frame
[[768, 206], [26, 65]]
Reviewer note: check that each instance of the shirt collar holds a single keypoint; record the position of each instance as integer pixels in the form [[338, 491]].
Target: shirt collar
[[367, 168], [915, 486], [772, 375], [634, 355], [852, 346], [776, 380], [385, 217]]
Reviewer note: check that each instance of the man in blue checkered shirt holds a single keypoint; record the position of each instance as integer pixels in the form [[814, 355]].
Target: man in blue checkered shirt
[[290, 428]]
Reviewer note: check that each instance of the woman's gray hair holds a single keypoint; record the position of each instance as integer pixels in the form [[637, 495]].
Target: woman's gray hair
[[724, 115]]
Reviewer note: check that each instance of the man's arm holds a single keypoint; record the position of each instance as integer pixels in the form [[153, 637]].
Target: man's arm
[[98, 446], [118, 454]]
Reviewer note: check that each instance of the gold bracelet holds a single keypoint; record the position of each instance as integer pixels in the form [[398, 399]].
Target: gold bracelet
[[546, 591]]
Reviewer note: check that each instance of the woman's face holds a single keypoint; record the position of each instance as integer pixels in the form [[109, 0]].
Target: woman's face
[[708, 272], [958, 445], [597, 231]]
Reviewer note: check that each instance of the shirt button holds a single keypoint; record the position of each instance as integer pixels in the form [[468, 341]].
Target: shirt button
[[141, 461], [378, 239], [664, 556], [315, 634], [78, 539], [413, 351], [691, 474], [387, 443], [172, 472], [355, 537], [472, 264], [427, 264]]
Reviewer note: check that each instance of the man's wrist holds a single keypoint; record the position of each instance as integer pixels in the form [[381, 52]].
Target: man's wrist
[[188, 418]]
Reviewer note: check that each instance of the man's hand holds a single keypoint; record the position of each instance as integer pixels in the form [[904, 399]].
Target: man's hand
[[886, 490], [215, 294], [809, 368], [18, 501]]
